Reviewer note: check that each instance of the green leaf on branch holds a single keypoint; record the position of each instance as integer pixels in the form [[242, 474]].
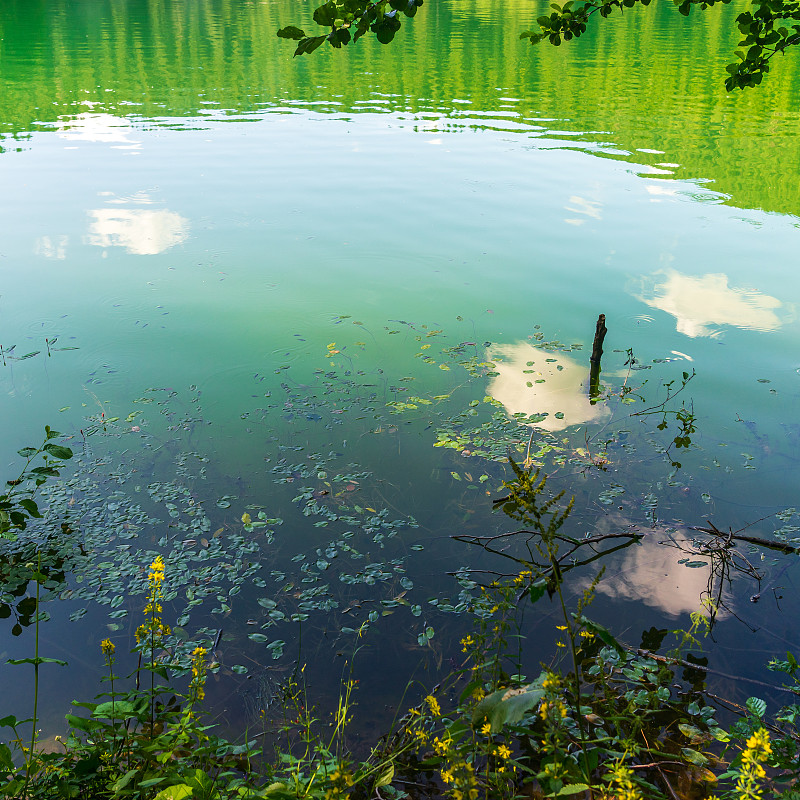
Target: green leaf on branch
[[58, 451], [602, 634], [31, 507], [326, 14], [291, 32], [309, 44]]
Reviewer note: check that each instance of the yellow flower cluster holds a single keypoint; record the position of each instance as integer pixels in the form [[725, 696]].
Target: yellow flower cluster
[[107, 646], [340, 781], [156, 576], [466, 643], [433, 704], [751, 771], [523, 577], [621, 785], [556, 707], [456, 771], [551, 682], [441, 747], [153, 628], [504, 752], [198, 673]]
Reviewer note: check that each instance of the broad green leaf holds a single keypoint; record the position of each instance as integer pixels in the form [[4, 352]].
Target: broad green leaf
[[291, 32], [572, 788], [124, 780], [693, 756], [386, 777], [508, 705], [58, 451], [31, 507], [81, 723], [602, 633], [37, 661], [115, 710]]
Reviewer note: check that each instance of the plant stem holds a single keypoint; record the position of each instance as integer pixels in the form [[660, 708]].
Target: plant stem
[[29, 757], [576, 672]]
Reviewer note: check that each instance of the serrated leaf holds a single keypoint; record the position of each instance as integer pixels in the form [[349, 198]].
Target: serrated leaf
[[756, 706]]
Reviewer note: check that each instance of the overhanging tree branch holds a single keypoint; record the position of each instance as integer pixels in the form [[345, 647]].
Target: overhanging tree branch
[[767, 28]]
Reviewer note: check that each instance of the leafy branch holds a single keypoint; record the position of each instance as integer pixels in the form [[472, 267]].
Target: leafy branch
[[762, 30], [349, 20], [767, 28], [17, 504]]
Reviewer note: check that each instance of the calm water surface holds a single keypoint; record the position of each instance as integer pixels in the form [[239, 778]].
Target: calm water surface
[[250, 251]]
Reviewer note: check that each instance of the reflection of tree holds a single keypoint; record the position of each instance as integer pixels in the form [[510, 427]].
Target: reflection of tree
[[223, 54], [700, 302], [534, 381], [699, 575]]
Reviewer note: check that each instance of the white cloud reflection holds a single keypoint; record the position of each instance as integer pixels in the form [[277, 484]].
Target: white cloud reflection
[[106, 128], [52, 247], [141, 231], [700, 303], [564, 390], [649, 573]]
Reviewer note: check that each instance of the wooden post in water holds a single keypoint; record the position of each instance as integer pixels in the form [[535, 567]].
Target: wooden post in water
[[594, 361]]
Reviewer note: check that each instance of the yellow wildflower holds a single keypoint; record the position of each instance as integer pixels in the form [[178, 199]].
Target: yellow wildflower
[[486, 729], [621, 785], [433, 704], [108, 648], [504, 752], [552, 681], [153, 628], [751, 771], [340, 781], [440, 747], [156, 575]]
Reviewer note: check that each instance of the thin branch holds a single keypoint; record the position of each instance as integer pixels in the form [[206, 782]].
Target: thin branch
[[680, 662], [770, 544]]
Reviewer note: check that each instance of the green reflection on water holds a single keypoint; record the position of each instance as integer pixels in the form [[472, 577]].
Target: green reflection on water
[[650, 80]]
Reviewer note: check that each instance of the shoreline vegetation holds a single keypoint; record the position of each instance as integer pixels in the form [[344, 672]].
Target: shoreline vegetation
[[605, 721]]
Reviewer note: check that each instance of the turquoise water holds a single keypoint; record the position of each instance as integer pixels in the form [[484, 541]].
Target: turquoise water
[[215, 227]]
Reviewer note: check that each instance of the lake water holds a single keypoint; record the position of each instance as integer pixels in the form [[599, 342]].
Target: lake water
[[262, 261]]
